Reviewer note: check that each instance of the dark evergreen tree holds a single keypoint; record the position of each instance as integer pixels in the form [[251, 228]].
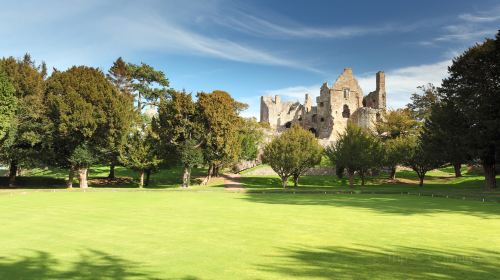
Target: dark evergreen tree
[[473, 87]]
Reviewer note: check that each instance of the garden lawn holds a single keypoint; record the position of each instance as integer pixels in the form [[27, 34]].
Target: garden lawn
[[208, 233]]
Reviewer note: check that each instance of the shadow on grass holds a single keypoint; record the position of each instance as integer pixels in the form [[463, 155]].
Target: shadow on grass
[[388, 204], [91, 264], [368, 262]]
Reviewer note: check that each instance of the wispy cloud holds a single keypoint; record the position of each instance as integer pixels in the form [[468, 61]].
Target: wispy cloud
[[123, 29], [469, 27]]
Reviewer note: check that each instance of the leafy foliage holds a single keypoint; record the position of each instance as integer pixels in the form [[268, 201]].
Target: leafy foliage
[[421, 104], [179, 131], [85, 109], [421, 158], [292, 153], [147, 83], [140, 153], [356, 150], [473, 86], [250, 137], [218, 113], [27, 141], [8, 104]]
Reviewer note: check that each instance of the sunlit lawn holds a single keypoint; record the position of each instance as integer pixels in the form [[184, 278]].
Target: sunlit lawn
[[211, 233]]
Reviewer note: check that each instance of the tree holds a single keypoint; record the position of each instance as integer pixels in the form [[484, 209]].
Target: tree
[[395, 123], [219, 116], [421, 104], [148, 84], [85, 110], [356, 150], [292, 153], [180, 131], [8, 104], [120, 76], [139, 153], [27, 141], [473, 86], [250, 137], [394, 152], [444, 131], [394, 129], [421, 158]]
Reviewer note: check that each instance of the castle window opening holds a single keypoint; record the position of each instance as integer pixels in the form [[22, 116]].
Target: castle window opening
[[321, 104], [346, 113], [322, 119], [346, 93], [314, 118]]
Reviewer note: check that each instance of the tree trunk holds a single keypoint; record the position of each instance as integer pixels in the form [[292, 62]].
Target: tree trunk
[[12, 173], [489, 175], [82, 177], [141, 178], [284, 181], [215, 171], [112, 171], [209, 175], [350, 174], [362, 175], [185, 177], [457, 166], [148, 177], [71, 174], [421, 180], [392, 174], [295, 180]]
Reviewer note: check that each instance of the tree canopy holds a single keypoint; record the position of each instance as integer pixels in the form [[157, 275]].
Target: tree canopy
[[473, 87], [292, 153]]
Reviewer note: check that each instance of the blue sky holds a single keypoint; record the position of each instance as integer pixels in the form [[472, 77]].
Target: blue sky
[[254, 48]]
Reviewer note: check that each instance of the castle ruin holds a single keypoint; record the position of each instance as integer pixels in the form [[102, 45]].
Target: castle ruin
[[335, 106]]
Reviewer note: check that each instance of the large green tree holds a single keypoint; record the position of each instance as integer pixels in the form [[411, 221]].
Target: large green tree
[[394, 129], [421, 157], [443, 132], [8, 104], [473, 86], [120, 76], [357, 150], [140, 152], [27, 141], [180, 132], [86, 112], [292, 153], [219, 116]]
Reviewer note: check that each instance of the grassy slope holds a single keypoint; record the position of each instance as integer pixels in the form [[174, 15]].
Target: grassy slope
[[208, 233], [222, 235]]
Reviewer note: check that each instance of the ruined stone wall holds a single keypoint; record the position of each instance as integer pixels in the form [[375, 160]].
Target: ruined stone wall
[[337, 105], [278, 113]]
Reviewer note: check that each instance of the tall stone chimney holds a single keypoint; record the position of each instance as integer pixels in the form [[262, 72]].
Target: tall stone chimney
[[308, 103], [380, 81], [277, 99]]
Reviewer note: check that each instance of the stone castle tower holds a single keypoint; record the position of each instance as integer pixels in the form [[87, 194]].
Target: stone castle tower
[[335, 107]]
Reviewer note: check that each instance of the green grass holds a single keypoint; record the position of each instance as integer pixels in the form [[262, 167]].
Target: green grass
[[224, 235], [206, 232]]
